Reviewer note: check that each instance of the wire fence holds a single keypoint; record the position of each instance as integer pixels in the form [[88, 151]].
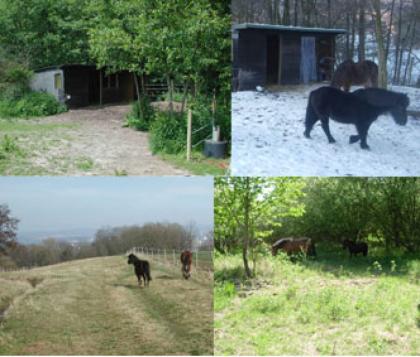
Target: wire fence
[[16, 269], [202, 260]]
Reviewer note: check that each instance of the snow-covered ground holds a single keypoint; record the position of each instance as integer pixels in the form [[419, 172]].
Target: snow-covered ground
[[268, 139]]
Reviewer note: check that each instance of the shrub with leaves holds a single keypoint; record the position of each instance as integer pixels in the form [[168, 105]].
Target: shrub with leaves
[[32, 104], [168, 133], [141, 115], [14, 80]]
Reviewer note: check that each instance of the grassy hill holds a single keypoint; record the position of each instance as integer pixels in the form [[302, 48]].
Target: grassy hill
[[94, 306], [329, 306]]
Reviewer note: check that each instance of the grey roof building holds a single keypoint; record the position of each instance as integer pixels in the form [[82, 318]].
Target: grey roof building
[[266, 54]]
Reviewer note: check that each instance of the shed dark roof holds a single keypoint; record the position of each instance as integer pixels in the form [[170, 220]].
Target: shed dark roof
[[61, 66], [284, 28]]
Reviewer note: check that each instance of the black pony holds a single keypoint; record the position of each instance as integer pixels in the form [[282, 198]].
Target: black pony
[[381, 98], [141, 268], [353, 108], [355, 248]]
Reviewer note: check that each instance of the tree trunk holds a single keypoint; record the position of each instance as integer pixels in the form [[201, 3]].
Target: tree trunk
[[286, 13], [169, 84], [382, 80], [347, 35], [388, 35], [410, 51], [139, 101], [410, 71], [402, 50], [398, 42], [295, 14], [247, 206], [353, 32], [329, 13], [362, 31], [184, 96]]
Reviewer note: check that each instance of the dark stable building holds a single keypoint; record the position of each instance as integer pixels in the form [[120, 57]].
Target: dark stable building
[[265, 55], [83, 85]]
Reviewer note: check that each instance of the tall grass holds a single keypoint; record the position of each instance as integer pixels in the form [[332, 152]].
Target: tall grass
[[340, 306]]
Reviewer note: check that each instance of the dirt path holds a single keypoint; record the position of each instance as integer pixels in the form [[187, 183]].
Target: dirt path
[[94, 306], [93, 141]]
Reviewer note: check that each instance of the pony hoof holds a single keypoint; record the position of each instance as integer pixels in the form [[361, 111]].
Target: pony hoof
[[307, 135], [365, 147], [354, 139], [331, 141]]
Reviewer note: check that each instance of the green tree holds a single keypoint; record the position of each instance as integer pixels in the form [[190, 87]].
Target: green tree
[[8, 228], [253, 207], [45, 32]]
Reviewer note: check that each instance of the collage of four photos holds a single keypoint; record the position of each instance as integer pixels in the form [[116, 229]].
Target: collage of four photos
[[210, 177]]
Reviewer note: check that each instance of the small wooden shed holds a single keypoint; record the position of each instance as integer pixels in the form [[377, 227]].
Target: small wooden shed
[[79, 85], [277, 54]]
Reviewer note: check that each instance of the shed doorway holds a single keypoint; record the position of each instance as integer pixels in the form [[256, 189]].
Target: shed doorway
[[273, 59], [308, 71]]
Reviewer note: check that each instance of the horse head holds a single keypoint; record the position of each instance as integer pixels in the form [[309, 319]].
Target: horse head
[[345, 243], [131, 259], [399, 111]]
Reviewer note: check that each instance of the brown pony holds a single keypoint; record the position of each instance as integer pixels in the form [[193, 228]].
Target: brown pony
[[349, 73], [186, 260], [294, 246]]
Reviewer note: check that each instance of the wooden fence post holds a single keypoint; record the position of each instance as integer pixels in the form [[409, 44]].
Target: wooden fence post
[[189, 134], [101, 85], [196, 260]]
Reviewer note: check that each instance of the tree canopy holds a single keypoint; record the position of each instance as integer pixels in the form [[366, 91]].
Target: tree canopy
[[8, 228], [255, 212]]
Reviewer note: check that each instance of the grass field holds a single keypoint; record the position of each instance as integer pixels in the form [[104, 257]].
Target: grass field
[[94, 306], [199, 164], [32, 143], [332, 305]]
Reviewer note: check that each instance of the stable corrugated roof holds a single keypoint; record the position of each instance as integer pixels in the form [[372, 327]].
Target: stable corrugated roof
[[284, 28]]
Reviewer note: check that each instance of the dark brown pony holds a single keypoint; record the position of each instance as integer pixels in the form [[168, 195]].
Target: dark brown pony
[[294, 246], [141, 268], [350, 73], [186, 260]]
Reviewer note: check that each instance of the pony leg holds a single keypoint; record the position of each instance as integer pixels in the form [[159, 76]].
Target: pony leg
[[325, 125], [310, 120], [354, 139], [363, 130]]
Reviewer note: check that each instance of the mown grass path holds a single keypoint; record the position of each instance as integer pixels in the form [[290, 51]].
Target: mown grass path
[[95, 306], [90, 141]]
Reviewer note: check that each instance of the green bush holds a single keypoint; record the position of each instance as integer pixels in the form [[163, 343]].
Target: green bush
[[14, 80], [168, 134], [176, 96], [141, 119], [32, 104], [202, 111]]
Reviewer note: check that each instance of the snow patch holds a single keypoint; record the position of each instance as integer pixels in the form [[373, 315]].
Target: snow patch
[[268, 139]]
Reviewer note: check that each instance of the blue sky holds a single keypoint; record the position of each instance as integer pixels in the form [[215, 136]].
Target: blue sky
[[62, 203]]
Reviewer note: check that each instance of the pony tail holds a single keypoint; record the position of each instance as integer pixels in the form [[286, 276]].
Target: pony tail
[[311, 116]]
